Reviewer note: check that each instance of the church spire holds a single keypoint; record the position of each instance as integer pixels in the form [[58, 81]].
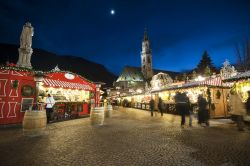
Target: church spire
[[145, 35]]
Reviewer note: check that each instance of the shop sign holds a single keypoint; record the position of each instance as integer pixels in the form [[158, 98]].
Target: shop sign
[[69, 76]]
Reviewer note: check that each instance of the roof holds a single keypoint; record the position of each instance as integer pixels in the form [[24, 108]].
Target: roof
[[65, 84], [67, 80], [211, 82], [172, 74], [130, 73], [239, 76]]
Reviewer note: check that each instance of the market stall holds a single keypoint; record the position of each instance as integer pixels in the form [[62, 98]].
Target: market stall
[[140, 101], [242, 83], [213, 89], [17, 94], [71, 92]]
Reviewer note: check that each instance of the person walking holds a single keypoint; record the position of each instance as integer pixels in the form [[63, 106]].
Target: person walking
[[182, 106], [189, 111], [152, 106], [160, 106], [202, 110], [49, 107], [237, 109], [248, 104]]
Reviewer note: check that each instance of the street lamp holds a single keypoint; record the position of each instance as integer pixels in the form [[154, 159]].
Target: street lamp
[[98, 89]]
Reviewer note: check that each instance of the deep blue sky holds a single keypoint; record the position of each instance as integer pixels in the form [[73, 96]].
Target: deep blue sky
[[179, 30]]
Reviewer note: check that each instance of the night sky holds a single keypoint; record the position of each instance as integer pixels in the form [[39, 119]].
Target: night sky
[[179, 30]]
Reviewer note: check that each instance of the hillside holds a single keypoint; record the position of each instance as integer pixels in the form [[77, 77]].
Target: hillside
[[45, 61]]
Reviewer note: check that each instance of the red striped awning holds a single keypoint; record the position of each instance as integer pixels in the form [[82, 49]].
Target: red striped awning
[[217, 81], [64, 84]]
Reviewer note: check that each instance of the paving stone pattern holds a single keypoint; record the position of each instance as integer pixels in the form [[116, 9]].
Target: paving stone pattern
[[130, 137]]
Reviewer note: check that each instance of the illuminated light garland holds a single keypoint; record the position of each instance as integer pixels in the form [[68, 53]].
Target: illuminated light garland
[[15, 68], [42, 73], [239, 76]]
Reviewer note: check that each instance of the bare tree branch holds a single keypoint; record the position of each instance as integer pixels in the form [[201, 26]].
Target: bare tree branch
[[243, 55]]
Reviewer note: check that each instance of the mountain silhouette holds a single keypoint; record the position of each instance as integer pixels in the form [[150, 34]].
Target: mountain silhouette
[[46, 61]]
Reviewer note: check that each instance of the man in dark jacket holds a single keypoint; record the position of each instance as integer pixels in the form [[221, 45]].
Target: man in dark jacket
[[203, 111], [152, 106], [182, 106], [160, 106]]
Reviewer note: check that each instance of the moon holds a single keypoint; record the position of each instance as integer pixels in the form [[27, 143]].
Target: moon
[[112, 12]]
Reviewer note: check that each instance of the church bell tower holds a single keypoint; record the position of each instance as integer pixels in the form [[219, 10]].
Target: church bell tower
[[146, 57]]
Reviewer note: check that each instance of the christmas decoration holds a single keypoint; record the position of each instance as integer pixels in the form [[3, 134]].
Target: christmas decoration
[[15, 84]]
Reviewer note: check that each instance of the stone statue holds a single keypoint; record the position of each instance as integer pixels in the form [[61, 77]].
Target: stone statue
[[26, 36], [25, 50]]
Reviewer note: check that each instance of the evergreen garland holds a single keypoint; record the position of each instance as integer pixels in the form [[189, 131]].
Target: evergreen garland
[[15, 84]]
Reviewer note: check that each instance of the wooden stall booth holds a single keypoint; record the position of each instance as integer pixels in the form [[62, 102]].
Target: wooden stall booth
[[17, 94], [241, 84], [72, 94], [211, 88]]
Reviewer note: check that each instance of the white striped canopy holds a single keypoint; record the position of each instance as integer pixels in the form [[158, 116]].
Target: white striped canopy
[[64, 84]]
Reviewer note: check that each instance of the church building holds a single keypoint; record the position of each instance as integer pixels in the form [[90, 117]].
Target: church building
[[137, 79]]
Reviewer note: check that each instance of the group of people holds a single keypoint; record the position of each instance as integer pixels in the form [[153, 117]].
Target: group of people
[[161, 106], [183, 108]]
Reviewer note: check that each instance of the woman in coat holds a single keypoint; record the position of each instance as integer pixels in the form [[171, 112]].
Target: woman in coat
[[238, 109]]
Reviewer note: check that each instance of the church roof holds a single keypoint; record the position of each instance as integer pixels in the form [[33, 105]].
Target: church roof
[[130, 73]]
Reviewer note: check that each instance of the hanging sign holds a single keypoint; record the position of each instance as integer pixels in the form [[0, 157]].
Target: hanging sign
[[69, 76]]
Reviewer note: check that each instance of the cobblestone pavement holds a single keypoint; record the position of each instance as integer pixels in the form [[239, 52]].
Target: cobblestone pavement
[[130, 137]]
